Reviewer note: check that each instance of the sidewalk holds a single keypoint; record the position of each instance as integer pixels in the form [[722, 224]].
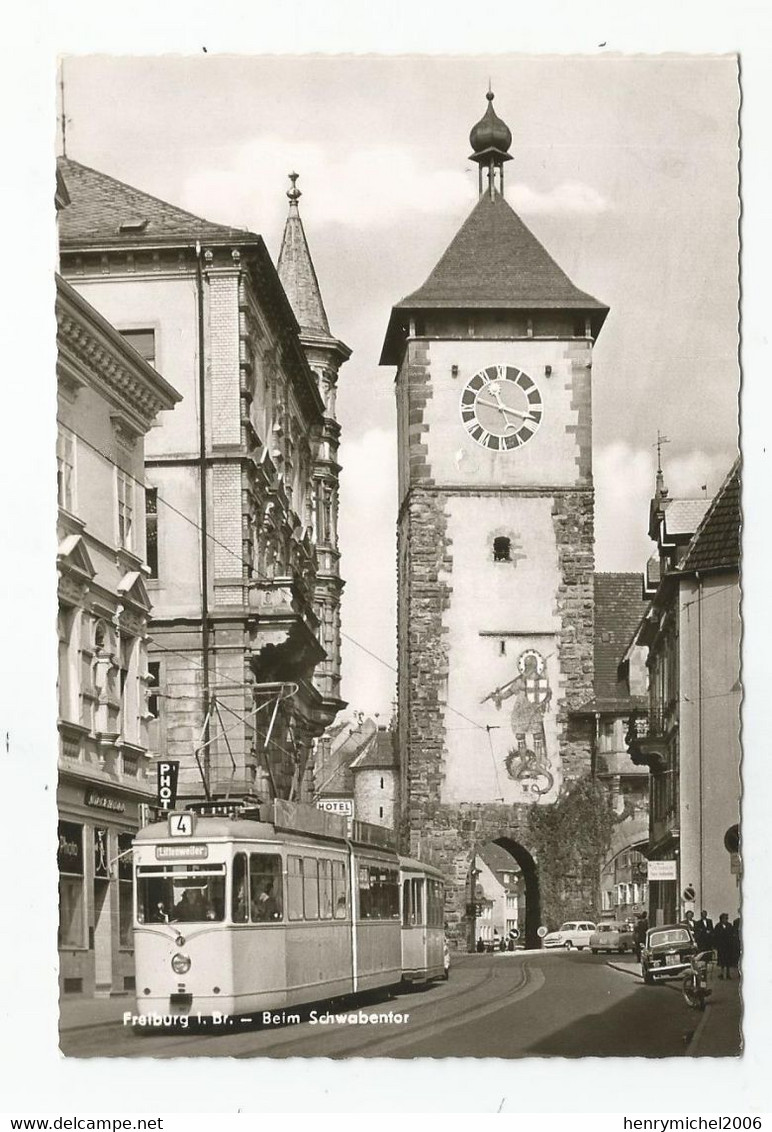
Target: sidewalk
[[81, 1012], [718, 1033]]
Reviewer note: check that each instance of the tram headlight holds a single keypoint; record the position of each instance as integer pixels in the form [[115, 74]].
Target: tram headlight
[[180, 963]]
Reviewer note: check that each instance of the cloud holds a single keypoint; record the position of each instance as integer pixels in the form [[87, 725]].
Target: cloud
[[624, 484], [369, 187], [570, 197], [364, 188]]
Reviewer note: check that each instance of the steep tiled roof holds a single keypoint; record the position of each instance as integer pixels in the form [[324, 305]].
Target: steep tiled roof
[[493, 262], [716, 544], [380, 752], [334, 777], [683, 516], [619, 606], [298, 277], [100, 205]]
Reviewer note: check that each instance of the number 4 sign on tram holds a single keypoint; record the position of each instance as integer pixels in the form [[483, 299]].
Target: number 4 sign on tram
[[181, 825]]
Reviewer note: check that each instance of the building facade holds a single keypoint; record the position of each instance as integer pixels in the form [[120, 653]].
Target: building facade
[[495, 540], [108, 399], [242, 480], [690, 741], [375, 772], [620, 687]]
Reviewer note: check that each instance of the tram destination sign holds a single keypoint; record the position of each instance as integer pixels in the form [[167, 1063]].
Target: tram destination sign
[[181, 852]]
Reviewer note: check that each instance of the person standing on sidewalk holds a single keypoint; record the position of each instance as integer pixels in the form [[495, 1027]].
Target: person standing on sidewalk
[[703, 931], [724, 941], [639, 933]]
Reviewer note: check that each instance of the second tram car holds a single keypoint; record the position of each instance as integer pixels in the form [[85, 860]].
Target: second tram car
[[238, 915]]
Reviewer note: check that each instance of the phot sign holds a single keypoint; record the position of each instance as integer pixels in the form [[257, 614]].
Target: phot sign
[[167, 784]]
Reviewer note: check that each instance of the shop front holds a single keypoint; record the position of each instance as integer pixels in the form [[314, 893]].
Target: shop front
[[96, 828]]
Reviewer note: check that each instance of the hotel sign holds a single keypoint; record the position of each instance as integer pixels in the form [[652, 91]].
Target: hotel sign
[[344, 807]]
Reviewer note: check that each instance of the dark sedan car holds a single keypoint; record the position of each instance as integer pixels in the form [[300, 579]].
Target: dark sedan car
[[666, 952]]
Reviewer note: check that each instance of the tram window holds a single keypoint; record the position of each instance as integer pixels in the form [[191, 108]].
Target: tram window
[[310, 889], [174, 898], [406, 904], [435, 904], [265, 895], [378, 893], [325, 890], [295, 888], [239, 910], [340, 889]]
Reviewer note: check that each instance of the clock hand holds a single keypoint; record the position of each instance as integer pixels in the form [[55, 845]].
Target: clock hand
[[504, 408]]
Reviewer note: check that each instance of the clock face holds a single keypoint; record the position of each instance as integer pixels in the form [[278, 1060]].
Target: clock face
[[501, 408]]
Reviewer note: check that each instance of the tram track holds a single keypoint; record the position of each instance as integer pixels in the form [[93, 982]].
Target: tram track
[[442, 1002]]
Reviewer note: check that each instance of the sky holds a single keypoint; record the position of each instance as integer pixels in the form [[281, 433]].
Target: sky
[[625, 168]]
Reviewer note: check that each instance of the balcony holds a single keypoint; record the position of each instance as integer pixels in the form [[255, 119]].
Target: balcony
[[647, 746]]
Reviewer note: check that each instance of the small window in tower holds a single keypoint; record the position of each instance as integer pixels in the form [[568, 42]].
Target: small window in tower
[[502, 648], [502, 550]]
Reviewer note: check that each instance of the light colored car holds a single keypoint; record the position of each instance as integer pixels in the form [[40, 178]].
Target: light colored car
[[612, 937], [574, 933]]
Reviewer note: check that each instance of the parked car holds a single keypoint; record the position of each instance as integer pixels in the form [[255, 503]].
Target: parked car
[[667, 952], [574, 933], [612, 937]]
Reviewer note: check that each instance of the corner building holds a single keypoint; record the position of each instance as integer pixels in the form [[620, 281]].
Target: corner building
[[242, 480], [495, 540]]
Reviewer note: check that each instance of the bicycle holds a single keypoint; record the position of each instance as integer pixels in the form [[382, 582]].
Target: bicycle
[[695, 985]]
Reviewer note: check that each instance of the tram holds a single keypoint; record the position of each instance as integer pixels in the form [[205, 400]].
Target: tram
[[276, 907]]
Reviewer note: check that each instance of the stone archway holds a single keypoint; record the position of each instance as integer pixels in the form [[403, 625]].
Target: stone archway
[[530, 876]]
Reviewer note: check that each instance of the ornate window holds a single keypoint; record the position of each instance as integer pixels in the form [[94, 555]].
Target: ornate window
[[65, 468], [125, 501], [151, 530]]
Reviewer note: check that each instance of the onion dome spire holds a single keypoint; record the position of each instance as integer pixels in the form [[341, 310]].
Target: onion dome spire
[[490, 139]]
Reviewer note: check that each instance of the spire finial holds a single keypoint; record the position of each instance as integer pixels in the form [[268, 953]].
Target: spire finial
[[294, 193], [490, 140], [661, 490]]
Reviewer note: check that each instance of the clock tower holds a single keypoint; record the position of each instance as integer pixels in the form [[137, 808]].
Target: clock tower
[[495, 536]]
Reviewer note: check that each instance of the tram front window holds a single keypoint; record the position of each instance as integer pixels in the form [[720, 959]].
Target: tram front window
[[179, 898]]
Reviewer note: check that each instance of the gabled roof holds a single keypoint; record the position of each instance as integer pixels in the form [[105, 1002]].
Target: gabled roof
[[379, 754], [132, 588], [104, 212], [494, 262], [716, 543], [72, 555]]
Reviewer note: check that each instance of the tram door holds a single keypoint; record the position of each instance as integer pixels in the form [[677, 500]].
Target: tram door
[[414, 924]]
